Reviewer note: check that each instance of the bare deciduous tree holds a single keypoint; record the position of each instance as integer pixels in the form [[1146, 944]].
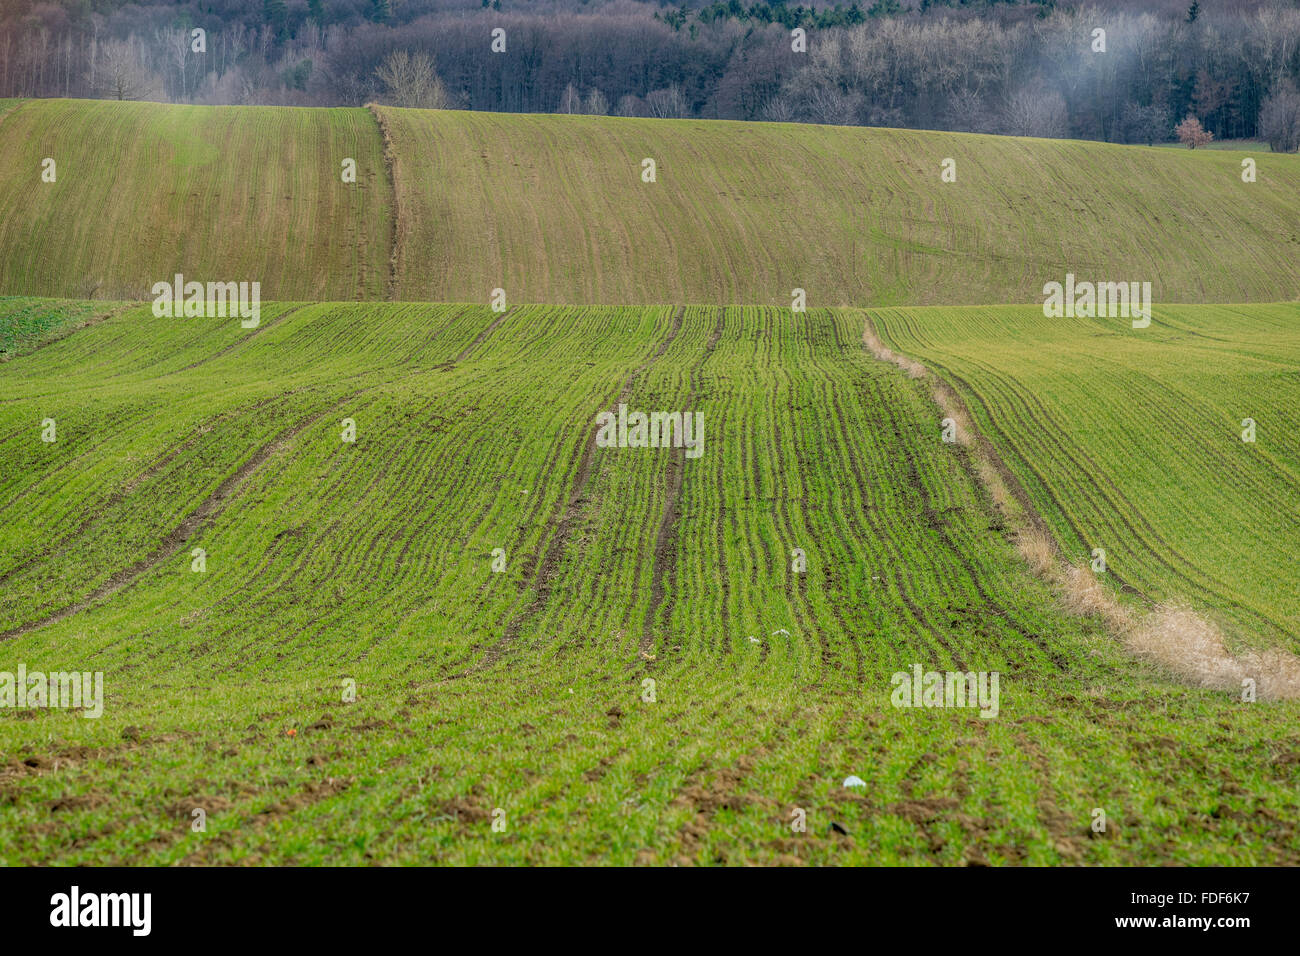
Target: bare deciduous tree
[[595, 104], [121, 73], [924, 70], [570, 100], [411, 80], [966, 113], [778, 110], [668, 103], [833, 107], [1034, 112], [176, 44], [1279, 119]]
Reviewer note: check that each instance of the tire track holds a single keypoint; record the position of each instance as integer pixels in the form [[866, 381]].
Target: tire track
[[665, 559], [1138, 529], [117, 497], [940, 526], [548, 567], [210, 508], [240, 342], [465, 352], [1147, 636]]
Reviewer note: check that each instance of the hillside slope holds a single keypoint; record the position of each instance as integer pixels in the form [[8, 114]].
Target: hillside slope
[[553, 209], [144, 191], [1131, 440], [524, 690]]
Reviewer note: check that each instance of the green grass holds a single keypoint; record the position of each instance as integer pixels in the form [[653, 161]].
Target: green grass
[[1131, 440], [144, 191], [522, 690]]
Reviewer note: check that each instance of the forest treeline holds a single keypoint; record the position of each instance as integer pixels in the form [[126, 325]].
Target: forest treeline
[[1033, 67]]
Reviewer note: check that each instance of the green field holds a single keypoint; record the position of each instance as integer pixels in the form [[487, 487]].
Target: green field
[[145, 191], [553, 209], [364, 587], [523, 690], [1131, 440]]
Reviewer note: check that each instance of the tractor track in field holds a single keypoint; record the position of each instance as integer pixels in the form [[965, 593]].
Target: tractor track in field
[[935, 520], [548, 567], [830, 655], [289, 577], [1156, 545], [117, 497], [478, 340], [390, 166], [917, 485], [1131, 517], [244, 340], [10, 110], [285, 582], [210, 508], [954, 402], [665, 558], [120, 580], [951, 400], [105, 428], [1147, 636], [919, 614]]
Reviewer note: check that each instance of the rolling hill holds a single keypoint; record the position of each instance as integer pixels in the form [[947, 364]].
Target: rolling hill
[[366, 584], [521, 695], [144, 191], [449, 206]]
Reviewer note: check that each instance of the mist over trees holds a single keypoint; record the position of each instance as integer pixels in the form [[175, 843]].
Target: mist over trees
[[1025, 68]]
